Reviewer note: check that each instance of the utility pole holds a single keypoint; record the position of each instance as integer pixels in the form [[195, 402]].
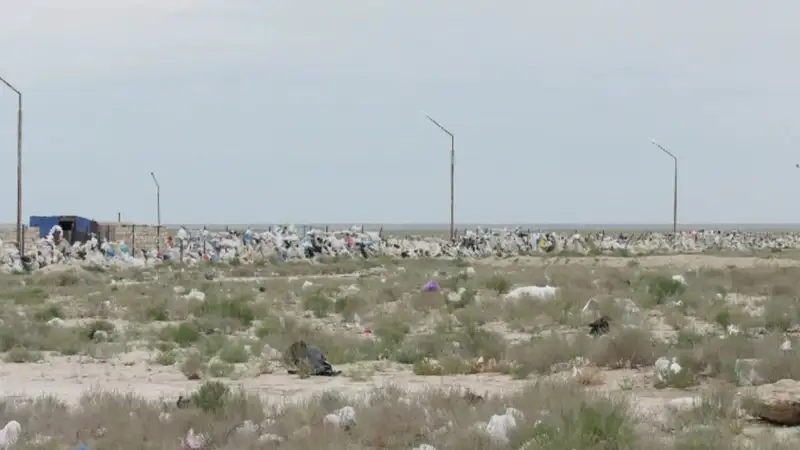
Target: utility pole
[[158, 212], [675, 188], [452, 175], [20, 242]]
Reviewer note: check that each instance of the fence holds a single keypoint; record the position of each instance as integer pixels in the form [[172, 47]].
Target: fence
[[135, 236], [30, 236]]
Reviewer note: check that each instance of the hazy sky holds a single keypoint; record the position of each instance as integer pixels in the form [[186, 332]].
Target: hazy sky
[[254, 111]]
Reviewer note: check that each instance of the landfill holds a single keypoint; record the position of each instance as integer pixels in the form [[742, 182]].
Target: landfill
[[286, 243]]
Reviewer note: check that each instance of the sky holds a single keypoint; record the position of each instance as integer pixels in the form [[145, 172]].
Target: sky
[[268, 111]]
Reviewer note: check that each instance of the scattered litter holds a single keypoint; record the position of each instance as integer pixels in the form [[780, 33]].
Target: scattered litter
[[344, 418], [532, 291], [9, 434], [194, 294], [666, 368], [431, 286], [285, 242], [501, 424], [599, 326], [307, 359], [193, 441], [679, 278]]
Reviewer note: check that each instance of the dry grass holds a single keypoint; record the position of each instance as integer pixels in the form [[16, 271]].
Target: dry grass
[[230, 322]]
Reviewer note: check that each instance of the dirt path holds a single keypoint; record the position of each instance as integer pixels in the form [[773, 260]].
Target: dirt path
[[683, 261]]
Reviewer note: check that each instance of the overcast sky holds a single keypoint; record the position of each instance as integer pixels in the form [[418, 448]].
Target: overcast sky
[[260, 111]]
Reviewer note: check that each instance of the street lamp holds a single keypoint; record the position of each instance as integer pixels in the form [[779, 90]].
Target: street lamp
[[452, 175], [158, 212], [675, 186], [19, 162]]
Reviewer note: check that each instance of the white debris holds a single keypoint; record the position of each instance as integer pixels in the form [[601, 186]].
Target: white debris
[[424, 447], [286, 242], [100, 336], [9, 434], [453, 297], [193, 441], [343, 417], [679, 278], [194, 294], [247, 428], [270, 354], [56, 322], [307, 284], [352, 290], [500, 424], [666, 368], [270, 438], [786, 345], [532, 291]]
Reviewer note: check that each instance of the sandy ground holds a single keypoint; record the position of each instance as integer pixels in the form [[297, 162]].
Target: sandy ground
[[69, 377], [680, 261]]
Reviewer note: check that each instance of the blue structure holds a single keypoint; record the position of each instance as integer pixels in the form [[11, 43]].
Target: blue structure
[[75, 228]]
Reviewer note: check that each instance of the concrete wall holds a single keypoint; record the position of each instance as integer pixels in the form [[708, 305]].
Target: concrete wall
[[31, 235], [136, 236]]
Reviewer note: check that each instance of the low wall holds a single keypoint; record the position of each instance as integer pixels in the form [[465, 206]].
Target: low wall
[[31, 235], [136, 236]]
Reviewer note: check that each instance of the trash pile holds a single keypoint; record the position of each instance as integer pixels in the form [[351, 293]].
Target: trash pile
[[284, 243]]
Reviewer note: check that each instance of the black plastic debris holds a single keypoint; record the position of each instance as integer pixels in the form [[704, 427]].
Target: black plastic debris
[[599, 326], [183, 402], [302, 357]]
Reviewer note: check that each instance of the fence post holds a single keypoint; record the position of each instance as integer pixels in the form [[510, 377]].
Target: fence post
[[133, 239]]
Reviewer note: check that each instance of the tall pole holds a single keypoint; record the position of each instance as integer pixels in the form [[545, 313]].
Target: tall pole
[[158, 212], [19, 162], [452, 175], [675, 187]]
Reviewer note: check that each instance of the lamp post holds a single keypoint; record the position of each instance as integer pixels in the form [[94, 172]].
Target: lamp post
[[19, 161], [158, 212], [452, 174], [675, 187]]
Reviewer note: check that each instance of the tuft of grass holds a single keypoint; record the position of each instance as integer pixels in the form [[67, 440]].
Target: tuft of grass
[[211, 397], [318, 303], [185, 334], [21, 355], [167, 358], [193, 365], [234, 352], [498, 283]]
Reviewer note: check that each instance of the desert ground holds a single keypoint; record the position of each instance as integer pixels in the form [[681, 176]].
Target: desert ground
[[99, 356]]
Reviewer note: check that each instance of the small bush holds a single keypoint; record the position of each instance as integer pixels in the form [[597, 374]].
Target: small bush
[[167, 358], [193, 366], [184, 334], [498, 283], [318, 303], [662, 287], [211, 397], [21, 355], [234, 352]]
